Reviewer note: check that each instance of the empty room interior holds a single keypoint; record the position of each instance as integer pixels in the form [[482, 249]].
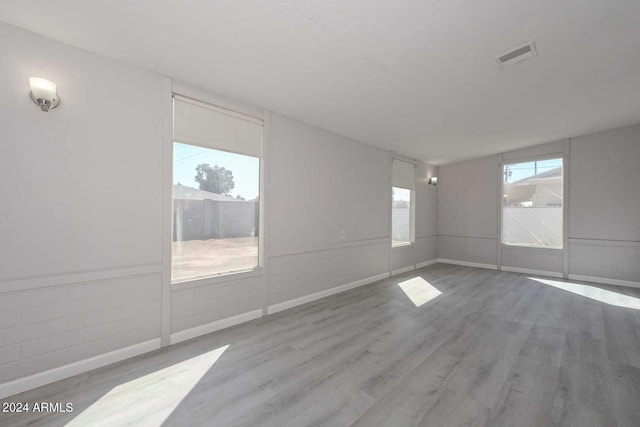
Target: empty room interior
[[320, 213]]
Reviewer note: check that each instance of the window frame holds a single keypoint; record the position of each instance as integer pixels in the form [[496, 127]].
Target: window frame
[[529, 159], [237, 110], [412, 203]]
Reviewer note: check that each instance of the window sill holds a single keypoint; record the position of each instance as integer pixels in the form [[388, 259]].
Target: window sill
[[401, 245], [213, 280], [537, 248]]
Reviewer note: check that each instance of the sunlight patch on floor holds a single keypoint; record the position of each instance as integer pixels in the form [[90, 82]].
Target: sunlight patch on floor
[[593, 292], [149, 400], [419, 290]]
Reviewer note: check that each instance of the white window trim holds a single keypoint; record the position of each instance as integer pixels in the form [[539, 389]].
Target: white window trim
[[184, 91], [395, 157], [529, 159], [220, 278], [401, 244], [412, 220], [214, 100]]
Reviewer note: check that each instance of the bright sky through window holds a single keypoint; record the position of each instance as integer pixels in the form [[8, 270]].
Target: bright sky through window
[[188, 157], [524, 170]]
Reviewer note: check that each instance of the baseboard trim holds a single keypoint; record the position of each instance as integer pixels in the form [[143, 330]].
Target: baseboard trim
[[426, 263], [208, 328], [605, 281], [468, 264], [532, 271], [403, 270], [275, 308], [468, 236], [20, 385]]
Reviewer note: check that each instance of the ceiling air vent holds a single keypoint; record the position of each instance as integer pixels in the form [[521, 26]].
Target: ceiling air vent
[[517, 55]]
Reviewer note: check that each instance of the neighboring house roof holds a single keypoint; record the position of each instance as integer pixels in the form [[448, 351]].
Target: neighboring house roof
[[551, 173], [188, 193]]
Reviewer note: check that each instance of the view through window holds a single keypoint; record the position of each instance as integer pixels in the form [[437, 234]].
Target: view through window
[[532, 204], [216, 212], [401, 216]]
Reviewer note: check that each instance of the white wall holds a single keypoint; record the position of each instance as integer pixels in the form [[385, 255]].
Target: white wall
[[603, 202], [467, 211], [82, 277], [426, 244], [63, 171], [80, 224], [320, 184], [605, 185], [339, 184], [604, 210]]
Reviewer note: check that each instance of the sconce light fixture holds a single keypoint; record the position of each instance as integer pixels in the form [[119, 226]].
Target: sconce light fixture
[[433, 180], [43, 93]]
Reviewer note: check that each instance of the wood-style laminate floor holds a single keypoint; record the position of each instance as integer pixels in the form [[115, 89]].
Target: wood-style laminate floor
[[476, 348]]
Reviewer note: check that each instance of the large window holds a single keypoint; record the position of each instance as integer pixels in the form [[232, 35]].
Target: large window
[[532, 204], [402, 203], [216, 191]]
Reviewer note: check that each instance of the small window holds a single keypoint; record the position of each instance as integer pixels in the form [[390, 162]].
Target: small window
[[402, 203], [401, 217], [216, 192], [532, 204]]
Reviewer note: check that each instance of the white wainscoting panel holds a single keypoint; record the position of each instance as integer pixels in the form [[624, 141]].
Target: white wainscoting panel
[[47, 328], [470, 249], [403, 258], [619, 261], [426, 248], [193, 307], [299, 275], [544, 260]]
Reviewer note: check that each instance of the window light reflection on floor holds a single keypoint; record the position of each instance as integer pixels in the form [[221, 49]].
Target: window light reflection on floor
[[594, 293], [419, 290], [149, 400]]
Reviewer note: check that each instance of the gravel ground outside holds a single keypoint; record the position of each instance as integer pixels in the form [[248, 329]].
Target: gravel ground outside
[[202, 258]]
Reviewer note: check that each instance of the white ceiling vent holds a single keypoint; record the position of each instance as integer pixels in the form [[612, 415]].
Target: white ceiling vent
[[517, 55]]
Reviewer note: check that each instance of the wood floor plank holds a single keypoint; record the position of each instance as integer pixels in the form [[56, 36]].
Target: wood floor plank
[[527, 394], [622, 332], [626, 394], [583, 395]]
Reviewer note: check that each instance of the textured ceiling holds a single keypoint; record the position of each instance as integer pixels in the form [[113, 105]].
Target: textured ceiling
[[414, 76]]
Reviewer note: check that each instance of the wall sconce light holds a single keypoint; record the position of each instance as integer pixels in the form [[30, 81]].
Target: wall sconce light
[[433, 180], [43, 93]]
